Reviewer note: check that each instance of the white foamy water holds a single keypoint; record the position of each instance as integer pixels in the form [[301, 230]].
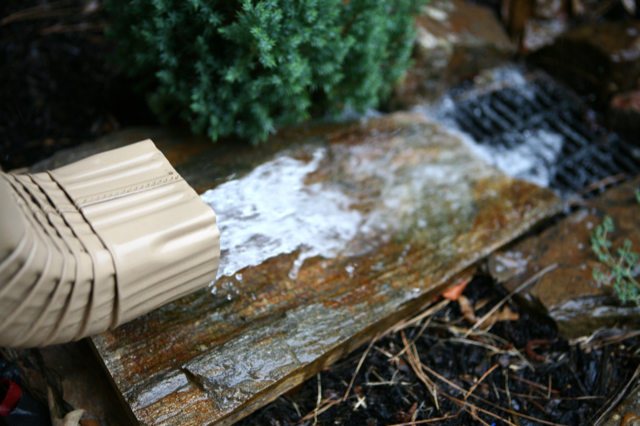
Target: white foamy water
[[271, 211], [533, 159], [378, 189]]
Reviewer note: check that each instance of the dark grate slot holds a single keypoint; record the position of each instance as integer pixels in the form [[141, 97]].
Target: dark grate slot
[[571, 136], [581, 131], [472, 130], [548, 101], [514, 101], [505, 111], [496, 118], [479, 129], [625, 158], [596, 162], [505, 118]]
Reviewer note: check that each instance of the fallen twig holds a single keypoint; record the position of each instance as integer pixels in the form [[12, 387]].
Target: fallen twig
[[325, 404], [493, 349], [315, 412], [583, 389], [575, 198], [414, 362], [533, 397], [76, 28], [430, 311], [364, 355], [383, 352], [413, 341], [598, 344], [484, 376], [475, 407], [535, 385], [528, 282], [419, 422], [507, 346], [619, 396], [43, 11], [464, 391], [515, 419]]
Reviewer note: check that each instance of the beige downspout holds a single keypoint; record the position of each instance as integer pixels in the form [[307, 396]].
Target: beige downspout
[[97, 243]]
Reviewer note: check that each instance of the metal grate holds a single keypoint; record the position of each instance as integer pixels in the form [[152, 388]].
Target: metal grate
[[507, 116]]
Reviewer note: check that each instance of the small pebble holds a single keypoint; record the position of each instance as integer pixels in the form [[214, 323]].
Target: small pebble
[[630, 419]]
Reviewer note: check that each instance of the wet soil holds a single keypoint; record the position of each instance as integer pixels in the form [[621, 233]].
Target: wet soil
[[57, 88], [552, 380]]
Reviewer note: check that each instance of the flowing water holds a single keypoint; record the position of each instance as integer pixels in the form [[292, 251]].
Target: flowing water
[[529, 154]]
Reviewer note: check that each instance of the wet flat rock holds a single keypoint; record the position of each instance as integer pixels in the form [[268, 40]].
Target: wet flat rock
[[569, 294], [329, 234], [601, 59], [456, 40]]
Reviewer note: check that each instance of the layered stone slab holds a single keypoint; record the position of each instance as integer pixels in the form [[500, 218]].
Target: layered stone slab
[[455, 41], [569, 294], [329, 234]]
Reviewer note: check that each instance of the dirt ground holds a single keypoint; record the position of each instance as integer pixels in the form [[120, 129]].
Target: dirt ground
[[57, 88], [516, 373]]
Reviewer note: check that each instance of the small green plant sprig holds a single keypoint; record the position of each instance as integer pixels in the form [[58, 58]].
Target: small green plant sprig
[[623, 268]]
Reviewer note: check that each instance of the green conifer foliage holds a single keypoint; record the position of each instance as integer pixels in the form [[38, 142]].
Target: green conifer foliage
[[244, 66]]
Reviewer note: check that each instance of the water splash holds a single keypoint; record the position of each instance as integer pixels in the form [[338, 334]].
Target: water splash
[[531, 155], [532, 160], [362, 195], [271, 211]]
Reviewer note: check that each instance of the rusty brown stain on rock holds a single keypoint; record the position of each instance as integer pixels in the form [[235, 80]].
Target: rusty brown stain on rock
[[569, 294], [185, 150], [432, 208]]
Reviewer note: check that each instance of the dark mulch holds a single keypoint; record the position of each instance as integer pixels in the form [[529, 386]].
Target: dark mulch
[[57, 88], [567, 383]]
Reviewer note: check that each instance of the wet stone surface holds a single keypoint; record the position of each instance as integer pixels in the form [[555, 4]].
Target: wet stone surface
[[539, 33], [569, 294], [624, 114], [456, 40], [597, 59], [380, 216]]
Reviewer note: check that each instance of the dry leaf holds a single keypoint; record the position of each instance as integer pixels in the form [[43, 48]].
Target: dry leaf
[[467, 309], [454, 292], [71, 419], [505, 314]]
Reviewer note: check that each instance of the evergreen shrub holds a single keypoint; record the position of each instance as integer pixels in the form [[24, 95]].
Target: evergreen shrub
[[244, 66]]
